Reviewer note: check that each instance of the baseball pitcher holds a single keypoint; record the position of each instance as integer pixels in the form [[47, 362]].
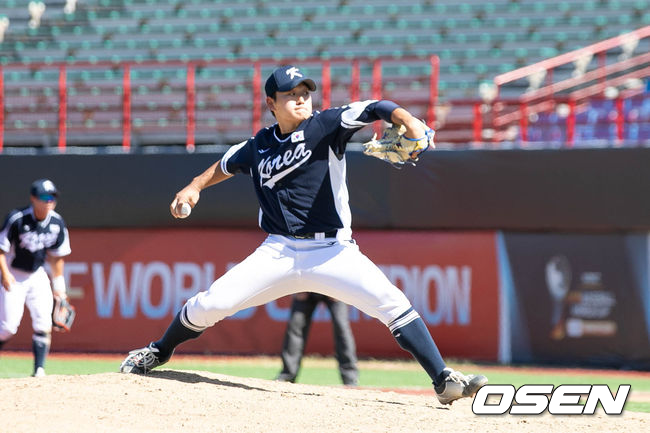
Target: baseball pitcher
[[297, 167]]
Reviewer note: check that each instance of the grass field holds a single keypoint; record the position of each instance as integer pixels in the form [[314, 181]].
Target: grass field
[[404, 375]]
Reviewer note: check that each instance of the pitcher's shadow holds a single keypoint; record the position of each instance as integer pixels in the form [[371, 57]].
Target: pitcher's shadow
[[190, 377]]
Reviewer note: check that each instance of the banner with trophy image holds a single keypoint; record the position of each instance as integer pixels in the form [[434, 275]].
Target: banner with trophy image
[[578, 299]]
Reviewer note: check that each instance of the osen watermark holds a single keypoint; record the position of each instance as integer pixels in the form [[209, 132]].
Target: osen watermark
[[535, 399]]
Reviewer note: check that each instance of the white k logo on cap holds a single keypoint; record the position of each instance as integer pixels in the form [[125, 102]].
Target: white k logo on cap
[[294, 72], [48, 186]]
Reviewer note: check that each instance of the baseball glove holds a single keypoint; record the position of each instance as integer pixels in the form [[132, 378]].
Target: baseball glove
[[63, 314], [396, 149]]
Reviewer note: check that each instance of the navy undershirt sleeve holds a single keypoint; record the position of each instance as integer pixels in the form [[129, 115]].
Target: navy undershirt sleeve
[[384, 109]]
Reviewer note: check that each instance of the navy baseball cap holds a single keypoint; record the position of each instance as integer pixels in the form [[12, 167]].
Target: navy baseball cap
[[43, 187], [286, 78]]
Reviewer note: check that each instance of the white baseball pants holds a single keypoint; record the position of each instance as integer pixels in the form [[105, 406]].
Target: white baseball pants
[[31, 289], [282, 266]]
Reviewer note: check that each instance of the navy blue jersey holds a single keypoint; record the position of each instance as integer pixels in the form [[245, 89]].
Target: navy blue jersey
[[300, 179], [30, 241]]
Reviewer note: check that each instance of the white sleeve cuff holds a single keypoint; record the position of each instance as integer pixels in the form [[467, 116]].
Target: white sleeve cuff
[[58, 286]]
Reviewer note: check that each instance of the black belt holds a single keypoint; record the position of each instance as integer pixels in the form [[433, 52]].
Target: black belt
[[330, 234]]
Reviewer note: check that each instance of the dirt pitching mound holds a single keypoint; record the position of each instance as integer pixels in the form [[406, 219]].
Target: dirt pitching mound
[[182, 401]]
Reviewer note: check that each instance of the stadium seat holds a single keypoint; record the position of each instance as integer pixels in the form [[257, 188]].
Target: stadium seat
[[474, 39]]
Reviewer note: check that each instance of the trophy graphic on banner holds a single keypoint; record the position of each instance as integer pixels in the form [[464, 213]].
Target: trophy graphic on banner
[[558, 281]]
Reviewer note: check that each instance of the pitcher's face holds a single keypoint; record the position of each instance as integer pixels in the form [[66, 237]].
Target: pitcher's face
[[292, 107]]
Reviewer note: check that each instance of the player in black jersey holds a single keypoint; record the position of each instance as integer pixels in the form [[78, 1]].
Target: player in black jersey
[[30, 237]]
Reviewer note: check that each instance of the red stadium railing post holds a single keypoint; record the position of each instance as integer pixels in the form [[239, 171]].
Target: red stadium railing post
[[495, 108], [376, 79], [376, 90], [433, 90], [620, 121], [354, 81], [602, 62], [2, 109], [63, 108], [257, 97], [190, 107], [126, 108], [327, 84], [571, 123], [523, 123], [477, 123]]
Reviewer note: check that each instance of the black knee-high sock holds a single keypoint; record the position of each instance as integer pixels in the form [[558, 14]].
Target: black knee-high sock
[[176, 334], [40, 348], [415, 338]]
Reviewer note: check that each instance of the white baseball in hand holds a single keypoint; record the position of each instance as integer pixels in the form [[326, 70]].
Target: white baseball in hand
[[185, 210]]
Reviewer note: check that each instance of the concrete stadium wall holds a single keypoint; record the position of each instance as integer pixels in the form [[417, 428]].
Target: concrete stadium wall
[[532, 190]]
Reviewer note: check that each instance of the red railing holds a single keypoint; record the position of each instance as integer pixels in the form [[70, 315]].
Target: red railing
[[193, 93], [2, 109], [470, 122], [599, 48], [542, 99], [126, 107], [191, 106], [587, 84], [63, 107], [600, 75], [184, 115]]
